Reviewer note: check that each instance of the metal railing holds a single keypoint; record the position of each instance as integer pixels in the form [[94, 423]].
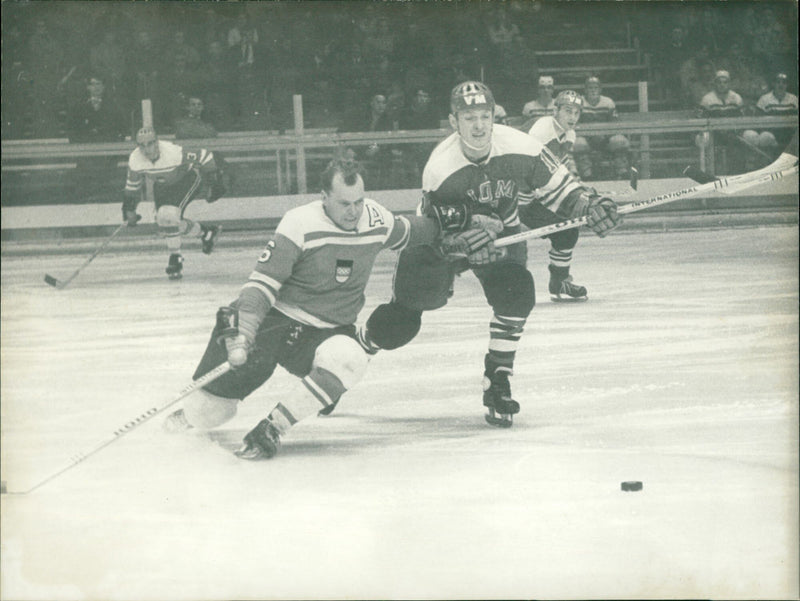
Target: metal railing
[[283, 159]]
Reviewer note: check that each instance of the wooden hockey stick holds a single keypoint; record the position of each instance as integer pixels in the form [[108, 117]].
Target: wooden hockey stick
[[129, 426], [60, 284], [785, 161], [740, 181]]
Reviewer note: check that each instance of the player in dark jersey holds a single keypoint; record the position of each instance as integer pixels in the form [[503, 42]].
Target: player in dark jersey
[[178, 175], [298, 310], [503, 175]]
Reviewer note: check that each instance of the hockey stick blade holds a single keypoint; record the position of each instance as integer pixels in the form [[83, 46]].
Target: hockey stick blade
[[61, 284], [51, 281], [130, 426], [698, 175]]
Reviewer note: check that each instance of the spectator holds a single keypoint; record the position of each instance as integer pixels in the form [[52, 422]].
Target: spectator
[[543, 105], [145, 59], [96, 118], [378, 159], [721, 101], [218, 82], [420, 114], [45, 61], [320, 107], [746, 76], [178, 47], [241, 32], [724, 102], [107, 61], [701, 83], [250, 74], [176, 83], [500, 115], [776, 102], [602, 109], [696, 76], [667, 62], [192, 125]]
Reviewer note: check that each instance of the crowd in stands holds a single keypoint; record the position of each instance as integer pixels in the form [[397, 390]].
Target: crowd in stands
[[246, 61], [80, 70]]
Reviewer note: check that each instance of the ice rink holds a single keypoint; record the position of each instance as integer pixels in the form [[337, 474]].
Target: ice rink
[[681, 371]]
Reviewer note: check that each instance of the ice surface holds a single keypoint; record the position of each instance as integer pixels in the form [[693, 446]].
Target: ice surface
[[681, 371]]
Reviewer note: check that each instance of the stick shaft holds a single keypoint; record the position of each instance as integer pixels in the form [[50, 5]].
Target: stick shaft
[[739, 181], [135, 423], [97, 251]]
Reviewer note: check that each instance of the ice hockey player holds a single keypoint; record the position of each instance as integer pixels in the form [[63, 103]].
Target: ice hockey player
[[557, 133], [506, 177], [179, 175], [298, 310]]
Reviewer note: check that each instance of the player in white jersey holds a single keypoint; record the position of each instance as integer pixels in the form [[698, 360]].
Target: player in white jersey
[[557, 133], [507, 178], [178, 175], [297, 310]]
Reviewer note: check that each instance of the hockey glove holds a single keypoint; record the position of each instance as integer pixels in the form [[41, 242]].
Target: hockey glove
[[602, 216], [237, 336], [483, 230], [487, 254]]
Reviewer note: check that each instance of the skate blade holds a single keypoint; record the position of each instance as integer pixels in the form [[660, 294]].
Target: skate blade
[[499, 420], [249, 452], [569, 299]]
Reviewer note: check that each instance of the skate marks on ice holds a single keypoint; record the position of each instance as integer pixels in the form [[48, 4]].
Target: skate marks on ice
[[680, 372]]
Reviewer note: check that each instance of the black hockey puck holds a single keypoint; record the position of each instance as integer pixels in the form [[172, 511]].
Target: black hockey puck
[[631, 486]]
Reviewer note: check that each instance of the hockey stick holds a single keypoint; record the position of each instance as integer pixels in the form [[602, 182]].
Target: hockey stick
[[60, 284], [130, 426], [743, 181], [785, 161]]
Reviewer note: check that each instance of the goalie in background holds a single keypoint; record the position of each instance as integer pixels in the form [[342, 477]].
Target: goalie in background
[[179, 175]]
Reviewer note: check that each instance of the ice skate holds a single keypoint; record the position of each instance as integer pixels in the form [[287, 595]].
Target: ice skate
[[497, 399], [208, 237], [176, 422], [175, 267], [563, 290], [262, 442]]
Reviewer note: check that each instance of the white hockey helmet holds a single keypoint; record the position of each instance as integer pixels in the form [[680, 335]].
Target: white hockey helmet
[[145, 135], [569, 97]]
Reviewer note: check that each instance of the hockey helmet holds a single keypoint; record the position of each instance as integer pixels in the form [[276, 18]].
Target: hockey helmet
[[471, 95], [145, 135], [569, 97]]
